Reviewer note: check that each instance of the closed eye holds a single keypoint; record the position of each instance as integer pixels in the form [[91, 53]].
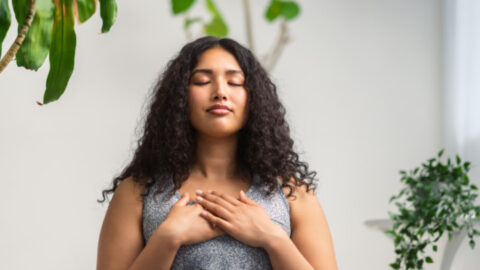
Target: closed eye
[[203, 83]]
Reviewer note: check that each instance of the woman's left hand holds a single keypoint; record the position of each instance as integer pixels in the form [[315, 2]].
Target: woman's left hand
[[243, 219]]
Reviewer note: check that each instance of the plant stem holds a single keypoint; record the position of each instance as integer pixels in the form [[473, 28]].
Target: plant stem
[[283, 38], [248, 24], [188, 32], [12, 51]]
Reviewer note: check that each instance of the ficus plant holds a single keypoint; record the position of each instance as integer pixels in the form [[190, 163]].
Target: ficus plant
[[436, 198], [47, 28]]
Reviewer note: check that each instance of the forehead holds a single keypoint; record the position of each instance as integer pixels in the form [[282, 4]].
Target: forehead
[[217, 59]]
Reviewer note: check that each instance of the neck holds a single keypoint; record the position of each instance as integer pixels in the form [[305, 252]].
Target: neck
[[216, 158]]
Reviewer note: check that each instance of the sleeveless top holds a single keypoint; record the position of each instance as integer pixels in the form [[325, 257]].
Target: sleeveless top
[[224, 251]]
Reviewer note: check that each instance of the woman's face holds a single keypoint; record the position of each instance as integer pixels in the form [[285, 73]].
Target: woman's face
[[217, 79]]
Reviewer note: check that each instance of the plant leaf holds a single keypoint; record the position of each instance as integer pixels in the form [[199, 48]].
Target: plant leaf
[[179, 6], [273, 10], [428, 259], [62, 51], [36, 45], [5, 21], [395, 265], [108, 13], [216, 27], [191, 21], [85, 9], [290, 10]]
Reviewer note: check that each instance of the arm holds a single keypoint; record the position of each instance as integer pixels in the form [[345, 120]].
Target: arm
[[310, 246], [121, 244], [159, 253]]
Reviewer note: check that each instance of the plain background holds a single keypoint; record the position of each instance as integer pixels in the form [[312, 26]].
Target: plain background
[[361, 82]]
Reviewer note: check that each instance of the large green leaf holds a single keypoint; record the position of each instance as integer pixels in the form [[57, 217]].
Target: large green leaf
[[35, 47], [5, 20], [290, 10], [108, 13], [179, 6], [273, 10], [62, 52], [287, 9], [85, 9], [217, 26]]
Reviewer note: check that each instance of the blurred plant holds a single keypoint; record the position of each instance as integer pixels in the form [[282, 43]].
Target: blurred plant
[[437, 198], [46, 27]]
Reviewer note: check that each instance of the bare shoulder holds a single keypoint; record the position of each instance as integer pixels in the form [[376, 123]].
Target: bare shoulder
[[300, 199], [300, 192], [121, 237], [310, 230]]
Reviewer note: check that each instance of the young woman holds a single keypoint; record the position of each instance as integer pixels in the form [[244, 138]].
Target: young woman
[[215, 182]]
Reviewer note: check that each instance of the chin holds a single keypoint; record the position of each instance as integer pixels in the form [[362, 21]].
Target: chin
[[219, 132]]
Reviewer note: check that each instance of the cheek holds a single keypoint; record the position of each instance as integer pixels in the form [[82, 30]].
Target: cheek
[[241, 100], [194, 100]]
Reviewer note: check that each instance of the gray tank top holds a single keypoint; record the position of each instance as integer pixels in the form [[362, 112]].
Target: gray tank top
[[221, 252]]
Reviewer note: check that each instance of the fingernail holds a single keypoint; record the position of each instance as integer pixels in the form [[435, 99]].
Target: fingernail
[[199, 198], [198, 191], [209, 191], [241, 192]]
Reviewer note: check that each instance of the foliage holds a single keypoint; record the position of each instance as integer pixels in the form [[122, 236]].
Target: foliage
[[437, 198], [52, 32]]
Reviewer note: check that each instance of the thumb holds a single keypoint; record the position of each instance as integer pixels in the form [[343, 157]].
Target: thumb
[[184, 199]]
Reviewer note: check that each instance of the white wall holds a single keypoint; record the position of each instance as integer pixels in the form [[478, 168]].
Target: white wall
[[361, 83]]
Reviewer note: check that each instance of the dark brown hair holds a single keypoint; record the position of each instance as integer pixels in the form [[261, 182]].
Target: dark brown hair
[[166, 149]]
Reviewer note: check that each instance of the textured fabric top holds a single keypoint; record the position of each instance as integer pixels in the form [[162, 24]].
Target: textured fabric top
[[221, 252]]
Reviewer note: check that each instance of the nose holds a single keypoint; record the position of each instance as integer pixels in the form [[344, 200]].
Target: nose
[[219, 91]]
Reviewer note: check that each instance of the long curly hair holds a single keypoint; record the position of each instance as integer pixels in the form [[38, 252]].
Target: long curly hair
[[166, 150]]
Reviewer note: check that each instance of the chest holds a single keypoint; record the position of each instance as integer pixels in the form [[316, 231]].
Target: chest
[[231, 187]]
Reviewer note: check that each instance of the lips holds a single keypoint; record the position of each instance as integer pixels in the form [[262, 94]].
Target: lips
[[219, 106]]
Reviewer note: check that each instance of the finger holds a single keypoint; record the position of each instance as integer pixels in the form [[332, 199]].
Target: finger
[[218, 199], [219, 223], [245, 199], [215, 208], [230, 199], [184, 199]]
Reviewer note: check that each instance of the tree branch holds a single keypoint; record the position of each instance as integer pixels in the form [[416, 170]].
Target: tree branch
[[270, 59], [8, 57], [188, 32], [248, 25]]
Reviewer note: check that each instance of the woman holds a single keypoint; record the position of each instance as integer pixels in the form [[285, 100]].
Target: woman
[[215, 129]]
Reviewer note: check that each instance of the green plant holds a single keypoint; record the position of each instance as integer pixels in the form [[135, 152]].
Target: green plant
[[436, 198], [47, 28]]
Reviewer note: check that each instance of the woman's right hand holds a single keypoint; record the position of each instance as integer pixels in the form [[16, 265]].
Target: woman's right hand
[[186, 225]]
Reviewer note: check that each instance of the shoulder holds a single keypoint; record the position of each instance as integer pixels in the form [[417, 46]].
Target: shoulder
[[129, 189], [310, 230], [121, 238], [300, 201]]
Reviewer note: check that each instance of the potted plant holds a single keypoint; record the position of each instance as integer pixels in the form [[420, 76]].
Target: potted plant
[[436, 198]]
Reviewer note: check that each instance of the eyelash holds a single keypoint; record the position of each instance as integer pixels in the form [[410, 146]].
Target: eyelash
[[203, 83]]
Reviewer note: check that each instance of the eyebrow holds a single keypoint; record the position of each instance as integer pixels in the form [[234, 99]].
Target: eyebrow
[[209, 71]]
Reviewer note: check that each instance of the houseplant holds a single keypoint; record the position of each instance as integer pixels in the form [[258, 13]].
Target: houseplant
[[436, 198], [47, 28]]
